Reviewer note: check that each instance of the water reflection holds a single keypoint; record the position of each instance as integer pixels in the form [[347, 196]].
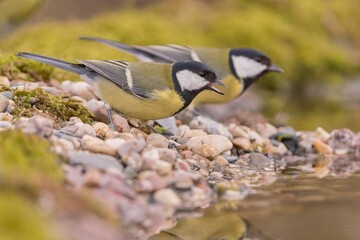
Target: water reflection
[[295, 207]]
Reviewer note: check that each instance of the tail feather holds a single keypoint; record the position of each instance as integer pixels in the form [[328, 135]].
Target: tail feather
[[72, 67], [114, 44]]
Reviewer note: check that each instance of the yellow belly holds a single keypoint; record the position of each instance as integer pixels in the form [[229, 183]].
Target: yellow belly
[[166, 104], [233, 89]]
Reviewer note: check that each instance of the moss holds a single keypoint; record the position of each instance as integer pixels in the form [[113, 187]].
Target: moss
[[30, 103], [27, 157], [20, 69], [19, 219]]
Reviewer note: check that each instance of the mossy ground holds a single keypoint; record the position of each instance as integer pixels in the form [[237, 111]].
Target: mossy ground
[[316, 42], [39, 102], [28, 170]]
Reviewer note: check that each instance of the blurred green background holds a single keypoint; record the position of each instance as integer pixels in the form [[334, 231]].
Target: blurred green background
[[317, 42]]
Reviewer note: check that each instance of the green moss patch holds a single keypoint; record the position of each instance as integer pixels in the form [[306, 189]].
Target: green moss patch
[[30, 103]]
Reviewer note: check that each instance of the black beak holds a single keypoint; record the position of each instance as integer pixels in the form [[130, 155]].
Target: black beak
[[212, 88], [275, 68]]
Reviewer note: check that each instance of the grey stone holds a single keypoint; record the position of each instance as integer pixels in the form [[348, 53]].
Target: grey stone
[[93, 160], [210, 126]]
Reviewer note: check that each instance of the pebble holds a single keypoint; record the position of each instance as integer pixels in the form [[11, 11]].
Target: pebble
[[238, 131], [157, 140], [321, 147], [8, 94], [265, 129], [81, 89], [85, 129], [163, 168], [210, 126], [120, 123], [258, 161], [341, 140], [4, 102], [102, 130], [322, 134], [97, 145], [134, 146], [209, 146], [6, 117], [274, 147], [4, 81], [98, 109], [167, 155], [216, 175], [115, 142], [5, 125], [92, 160], [38, 125], [150, 181], [167, 197], [182, 165], [92, 178], [242, 143]]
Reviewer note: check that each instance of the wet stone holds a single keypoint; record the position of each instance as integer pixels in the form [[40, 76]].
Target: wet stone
[[258, 161]]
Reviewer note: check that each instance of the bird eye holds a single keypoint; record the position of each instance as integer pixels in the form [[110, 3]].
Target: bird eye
[[202, 74], [258, 59]]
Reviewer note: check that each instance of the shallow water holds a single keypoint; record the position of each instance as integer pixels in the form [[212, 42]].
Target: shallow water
[[294, 207]]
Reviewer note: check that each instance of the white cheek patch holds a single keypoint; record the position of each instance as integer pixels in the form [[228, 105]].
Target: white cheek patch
[[190, 81], [246, 67]]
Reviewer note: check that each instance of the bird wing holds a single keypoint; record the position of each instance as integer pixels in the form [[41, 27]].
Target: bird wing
[[134, 78], [166, 53]]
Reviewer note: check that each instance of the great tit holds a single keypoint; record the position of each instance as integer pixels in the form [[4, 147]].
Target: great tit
[[141, 90], [237, 68]]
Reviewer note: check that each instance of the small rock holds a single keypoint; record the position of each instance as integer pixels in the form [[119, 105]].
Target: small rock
[[237, 131], [167, 155], [92, 178], [36, 125], [266, 129], [167, 197], [85, 129], [259, 161], [91, 160], [322, 134], [115, 142], [6, 117], [8, 94], [102, 130], [210, 126], [163, 168], [341, 140], [216, 175], [129, 147], [182, 165], [4, 102], [98, 109], [274, 147], [157, 140], [150, 181], [81, 89], [242, 143], [120, 123], [71, 129], [4, 81], [97, 145], [5, 125], [65, 144], [321, 147], [218, 163], [209, 146]]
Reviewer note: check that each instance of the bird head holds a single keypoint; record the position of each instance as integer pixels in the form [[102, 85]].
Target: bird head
[[249, 65], [193, 77]]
